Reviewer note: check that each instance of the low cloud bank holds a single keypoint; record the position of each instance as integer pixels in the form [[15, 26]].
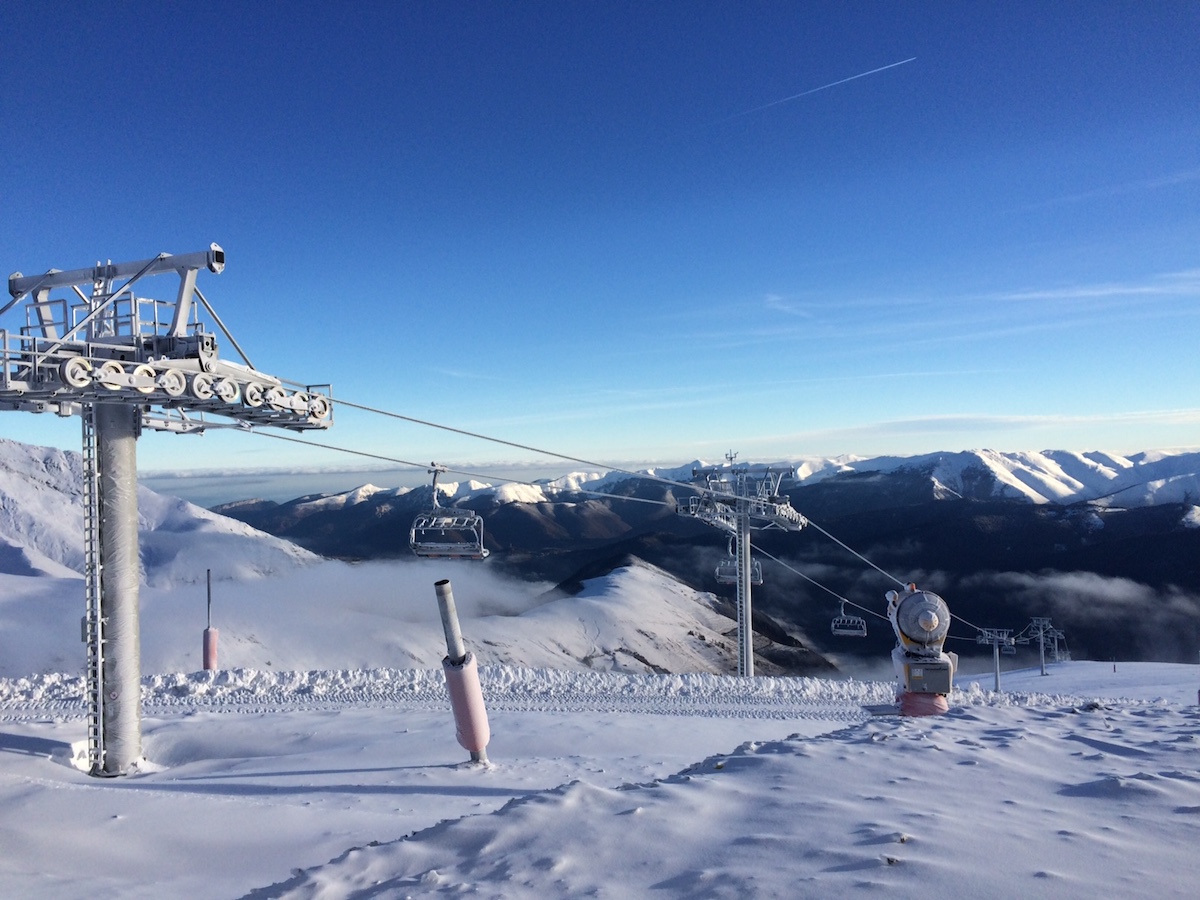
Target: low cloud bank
[[1110, 616]]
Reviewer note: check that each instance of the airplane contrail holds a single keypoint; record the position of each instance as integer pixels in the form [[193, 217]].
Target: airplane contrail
[[821, 88]]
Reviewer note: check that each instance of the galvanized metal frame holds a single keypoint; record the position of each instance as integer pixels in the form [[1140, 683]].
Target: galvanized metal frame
[[102, 348], [446, 533], [738, 500]]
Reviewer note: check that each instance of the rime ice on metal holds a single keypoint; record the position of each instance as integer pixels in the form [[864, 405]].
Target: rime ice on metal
[[92, 345], [737, 499], [438, 532]]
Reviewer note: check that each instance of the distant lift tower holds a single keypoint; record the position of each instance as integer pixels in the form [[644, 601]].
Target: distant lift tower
[[124, 362], [1002, 641], [738, 499]]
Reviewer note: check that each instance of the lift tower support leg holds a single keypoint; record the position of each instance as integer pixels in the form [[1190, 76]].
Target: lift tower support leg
[[117, 427], [744, 613]]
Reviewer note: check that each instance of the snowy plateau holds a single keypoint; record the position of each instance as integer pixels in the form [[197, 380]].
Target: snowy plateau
[[320, 760]]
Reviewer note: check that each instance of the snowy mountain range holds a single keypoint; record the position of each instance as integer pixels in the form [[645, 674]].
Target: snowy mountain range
[[279, 606], [579, 509], [1052, 476], [1106, 545]]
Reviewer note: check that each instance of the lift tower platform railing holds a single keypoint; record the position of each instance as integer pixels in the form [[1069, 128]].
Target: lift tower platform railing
[[92, 346], [738, 499]]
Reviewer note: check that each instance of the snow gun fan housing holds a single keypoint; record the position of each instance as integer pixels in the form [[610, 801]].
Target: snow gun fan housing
[[921, 621]]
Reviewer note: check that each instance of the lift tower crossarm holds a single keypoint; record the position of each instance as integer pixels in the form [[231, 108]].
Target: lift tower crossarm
[[115, 346], [212, 259]]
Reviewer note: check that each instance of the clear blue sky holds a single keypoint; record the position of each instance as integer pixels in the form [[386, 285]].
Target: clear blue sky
[[591, 227]]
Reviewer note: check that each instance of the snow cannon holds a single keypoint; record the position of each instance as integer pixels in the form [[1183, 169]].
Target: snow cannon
[[924, 671]]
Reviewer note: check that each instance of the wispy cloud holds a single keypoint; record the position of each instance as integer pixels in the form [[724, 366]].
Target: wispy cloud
[[1171, 284], [776, 303], [983, 423], [777, 318], [1174, 179], [463, 374]]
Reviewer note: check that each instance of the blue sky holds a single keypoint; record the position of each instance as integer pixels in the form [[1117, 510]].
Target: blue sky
[[593, 227]]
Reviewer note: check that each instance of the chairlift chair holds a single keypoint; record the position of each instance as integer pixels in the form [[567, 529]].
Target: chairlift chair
[[848, 626], [726, 571], [441, 533]]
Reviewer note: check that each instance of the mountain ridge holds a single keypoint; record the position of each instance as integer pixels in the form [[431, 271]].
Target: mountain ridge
[[1119, 573], [1145, 478]]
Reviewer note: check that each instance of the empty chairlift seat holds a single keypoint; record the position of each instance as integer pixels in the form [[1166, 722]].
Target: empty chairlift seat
[[726, 572], [447, 533], [452, 533], [848, 626]]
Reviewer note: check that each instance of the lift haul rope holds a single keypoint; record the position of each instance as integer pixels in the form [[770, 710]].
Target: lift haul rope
[[585, 462], [813, 581], [484, 437], [416, 465]]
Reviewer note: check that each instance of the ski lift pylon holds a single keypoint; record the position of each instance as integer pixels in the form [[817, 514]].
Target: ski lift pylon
[[848, 626], [438, 532]]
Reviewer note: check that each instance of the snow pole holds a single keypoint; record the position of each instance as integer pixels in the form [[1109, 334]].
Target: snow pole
[[462, 680], [210, 633]]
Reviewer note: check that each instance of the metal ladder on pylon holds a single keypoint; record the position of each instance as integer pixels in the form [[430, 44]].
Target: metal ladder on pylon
[[745, 628], [93, 621]]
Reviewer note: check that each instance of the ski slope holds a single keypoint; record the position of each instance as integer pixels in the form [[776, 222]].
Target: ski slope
[[349, 783]]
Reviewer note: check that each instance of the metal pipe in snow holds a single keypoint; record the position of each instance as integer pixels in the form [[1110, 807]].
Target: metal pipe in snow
[[462, 681], [210, 633], [455, 649]]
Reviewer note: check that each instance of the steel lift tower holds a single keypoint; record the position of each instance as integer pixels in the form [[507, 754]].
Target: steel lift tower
[[123, 362], [738, 499]]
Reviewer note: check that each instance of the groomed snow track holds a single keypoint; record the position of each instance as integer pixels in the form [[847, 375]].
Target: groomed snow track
[[506, 689]]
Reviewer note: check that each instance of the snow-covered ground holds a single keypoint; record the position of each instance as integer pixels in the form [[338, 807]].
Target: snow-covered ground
[[1081, 783]]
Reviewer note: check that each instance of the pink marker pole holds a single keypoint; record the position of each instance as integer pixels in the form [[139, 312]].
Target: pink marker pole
[[210, 649], [462, 681]]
